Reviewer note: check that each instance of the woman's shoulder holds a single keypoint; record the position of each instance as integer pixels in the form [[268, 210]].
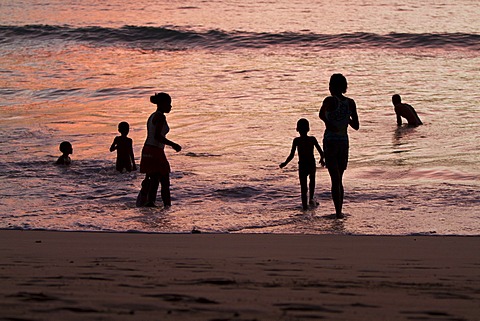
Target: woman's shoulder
[[158, 117], [328, 103], [348, 100], [351, 102], [329, 100]]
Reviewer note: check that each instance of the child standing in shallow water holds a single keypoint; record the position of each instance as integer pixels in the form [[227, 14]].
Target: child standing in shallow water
[[124, 147], [307, 166]]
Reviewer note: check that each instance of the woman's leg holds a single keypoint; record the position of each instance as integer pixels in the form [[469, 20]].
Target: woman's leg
[[336, 176], [142, 198], [165, 190], [153, 188]]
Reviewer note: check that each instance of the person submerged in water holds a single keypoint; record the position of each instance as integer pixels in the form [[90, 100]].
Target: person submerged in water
[[124, 147], [66, 149], [307, 166], [406, 111]]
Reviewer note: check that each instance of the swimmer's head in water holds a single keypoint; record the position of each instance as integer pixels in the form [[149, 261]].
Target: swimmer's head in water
[[396, 99], [66, 148]]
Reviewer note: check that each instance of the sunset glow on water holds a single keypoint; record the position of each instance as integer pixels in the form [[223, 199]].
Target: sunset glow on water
[[240, 74]]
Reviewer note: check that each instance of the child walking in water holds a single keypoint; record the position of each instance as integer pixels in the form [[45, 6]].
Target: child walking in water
[[307, 166], [124, 147]]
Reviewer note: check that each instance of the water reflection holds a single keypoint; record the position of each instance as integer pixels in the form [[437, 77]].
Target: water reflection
[[403, 143], [402, 134]]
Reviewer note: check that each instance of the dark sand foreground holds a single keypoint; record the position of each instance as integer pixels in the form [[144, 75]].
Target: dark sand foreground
[[115, 276]]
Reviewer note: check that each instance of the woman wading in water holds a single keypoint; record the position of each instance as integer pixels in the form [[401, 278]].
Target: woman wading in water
[[337, 112], [154, 163]]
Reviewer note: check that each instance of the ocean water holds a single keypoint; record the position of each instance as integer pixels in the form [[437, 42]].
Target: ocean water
[[241, 73]]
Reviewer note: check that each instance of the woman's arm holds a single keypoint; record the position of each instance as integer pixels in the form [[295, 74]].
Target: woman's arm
[[159, 123], [328, 104], [354, 123], [322, 113]]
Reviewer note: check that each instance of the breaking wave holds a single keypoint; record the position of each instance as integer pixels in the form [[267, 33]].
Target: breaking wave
[[174, 38]]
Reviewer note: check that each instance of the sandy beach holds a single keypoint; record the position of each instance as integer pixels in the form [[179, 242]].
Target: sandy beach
[[121, 276]]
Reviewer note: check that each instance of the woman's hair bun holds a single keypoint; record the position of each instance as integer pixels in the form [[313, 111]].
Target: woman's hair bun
[[160, 98]]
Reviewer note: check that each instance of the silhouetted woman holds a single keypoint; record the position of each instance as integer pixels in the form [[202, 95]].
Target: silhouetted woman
[[154, 163], [337, 112]]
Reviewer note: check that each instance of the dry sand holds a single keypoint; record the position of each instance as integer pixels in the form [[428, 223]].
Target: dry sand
[[120, 276]]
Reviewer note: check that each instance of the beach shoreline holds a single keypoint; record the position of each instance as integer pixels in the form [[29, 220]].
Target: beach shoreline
[[136, 276]]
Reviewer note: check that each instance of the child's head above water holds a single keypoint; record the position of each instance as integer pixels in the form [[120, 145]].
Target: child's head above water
[[66, 148], [303, 126], [123, 128]]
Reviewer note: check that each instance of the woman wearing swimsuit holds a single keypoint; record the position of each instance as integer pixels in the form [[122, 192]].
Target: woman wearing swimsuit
[[337, 112], [154, 163]]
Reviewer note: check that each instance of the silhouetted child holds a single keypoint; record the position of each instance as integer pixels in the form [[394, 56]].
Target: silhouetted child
[[124, 147], [406, 111], [307, 166], [66, 149]]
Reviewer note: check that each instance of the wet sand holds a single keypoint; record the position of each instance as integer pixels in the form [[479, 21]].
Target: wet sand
[[122, 276]]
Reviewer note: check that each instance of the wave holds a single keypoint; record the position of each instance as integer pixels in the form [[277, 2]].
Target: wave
[[173, 38]]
